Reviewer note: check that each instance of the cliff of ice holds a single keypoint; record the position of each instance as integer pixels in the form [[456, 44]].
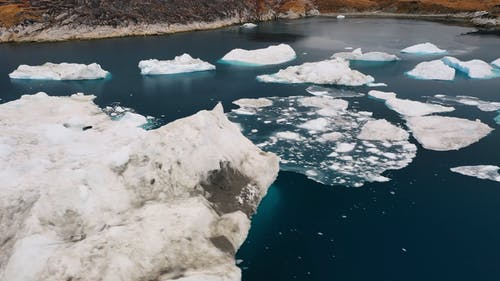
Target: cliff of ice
[[84, 197]]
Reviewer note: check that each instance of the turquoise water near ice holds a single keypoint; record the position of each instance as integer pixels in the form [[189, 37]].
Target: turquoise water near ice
[[427, 223]]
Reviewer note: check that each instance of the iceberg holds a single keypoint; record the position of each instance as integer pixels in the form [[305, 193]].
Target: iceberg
[[340, 17], [322, 138], [84, 197], [446, 133], [334, 71], [332, 92], [486, 106], [267, 56], [249, 25], [432, 70], [484, 172], [358, 55], [59, 71], [496, 63], [423, 49], [477, 69], [180, 64], [376, 85], [408, 107]]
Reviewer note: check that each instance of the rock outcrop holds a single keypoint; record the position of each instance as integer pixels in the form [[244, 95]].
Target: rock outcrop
[[84, 197]]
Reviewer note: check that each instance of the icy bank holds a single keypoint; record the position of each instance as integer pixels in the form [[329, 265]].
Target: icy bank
[[423, 49], [180, 64], [87, 198], [432, 70], [267, 56], [370, 56], [484, 172], [322, 138], [59, 71], [477, 69], [446, 133], [334, 71], [408, 107]]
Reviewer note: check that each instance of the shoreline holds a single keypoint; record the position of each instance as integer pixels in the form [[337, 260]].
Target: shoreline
[[40, 33]]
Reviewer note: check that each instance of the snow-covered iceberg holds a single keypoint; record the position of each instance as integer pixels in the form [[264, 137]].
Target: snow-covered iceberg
[[180, 64], [249, 25], [496, 63], [320, 137], [432, 70], [275, 54], [446, 133], [477, 69], [334, 71], [358, 55], [408, 107], [423, 49], [60, 71], [486, 106], [484, 172], [87, 198]]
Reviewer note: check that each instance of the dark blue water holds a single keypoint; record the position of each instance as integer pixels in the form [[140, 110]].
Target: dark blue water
[[425, 224]]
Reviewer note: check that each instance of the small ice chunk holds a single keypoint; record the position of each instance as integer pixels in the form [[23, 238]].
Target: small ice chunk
[[496, 63], [267, 56], [332, 92], [249, 25], [255, 103], [288, 135], [319, 124], [446, 133], [477, 69], [340, 17], [485, 172], [180, 64], [357, 55], [344, 147], [333, 136], [324, 102], [381, 130], [423, 49], [432, 70], [60, 71], [334, 71], [376, 85], [408, 107]]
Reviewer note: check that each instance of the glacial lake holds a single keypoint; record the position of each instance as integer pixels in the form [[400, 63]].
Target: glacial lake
[[426, 223]]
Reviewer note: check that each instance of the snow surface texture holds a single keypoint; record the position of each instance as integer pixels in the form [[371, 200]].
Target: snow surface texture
[[249, 25], [423, 49], [320, 138], [332, 92], [484, 172], [476, 69], [408, 107], [87, 198], [180, 64], [59, 71], [487, 106], [267, 56], [358, 55], [432, 70], [446, 133], [496, 63], [334, 71]]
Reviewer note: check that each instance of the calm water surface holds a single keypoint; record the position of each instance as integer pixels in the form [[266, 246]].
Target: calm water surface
[[425, 224]]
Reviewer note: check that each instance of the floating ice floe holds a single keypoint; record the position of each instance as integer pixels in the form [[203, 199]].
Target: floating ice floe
[[423, 49], [376, 85], [334, 71], [357, 55], [249, 25], [59, 71], [432, 70], [75, 182], [321, 138], [180, 64], [446, 133], [486, 106], [408, 107], [332, 92], [477, 69], [340, 17], [484, 172], [266, 56], [496, 63]]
